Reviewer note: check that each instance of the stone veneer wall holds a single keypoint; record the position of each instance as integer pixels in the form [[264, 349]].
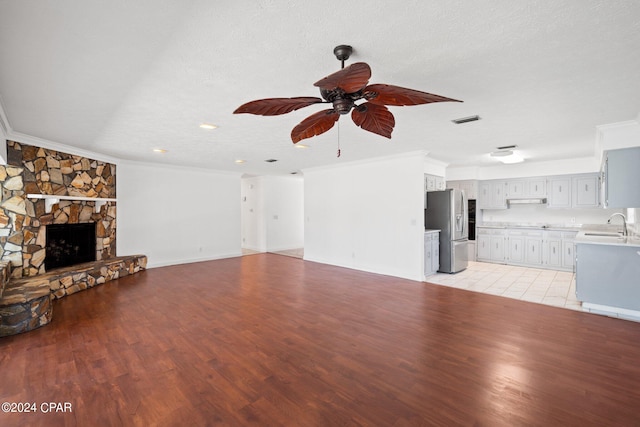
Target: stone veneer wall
[[36, 170]]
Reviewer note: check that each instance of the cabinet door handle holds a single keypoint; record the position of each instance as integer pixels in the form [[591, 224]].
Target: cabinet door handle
[[560, 189], [554, 250], [586, 187], [533, 248]]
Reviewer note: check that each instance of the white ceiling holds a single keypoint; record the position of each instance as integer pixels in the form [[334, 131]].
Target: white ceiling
[[123, 77]]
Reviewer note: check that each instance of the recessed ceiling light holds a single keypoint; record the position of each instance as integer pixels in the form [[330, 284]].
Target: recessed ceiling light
[[240, 161], [159, 150], [301, 146], [207, 126]]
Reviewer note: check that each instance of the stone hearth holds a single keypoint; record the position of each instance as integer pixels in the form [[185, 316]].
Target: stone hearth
[[27, 302]]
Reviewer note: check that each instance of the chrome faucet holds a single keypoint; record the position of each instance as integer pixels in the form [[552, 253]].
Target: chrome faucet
[[624, 222]]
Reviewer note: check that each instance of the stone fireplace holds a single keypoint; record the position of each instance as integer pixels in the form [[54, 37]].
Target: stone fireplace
[[23, 219], [47, 198]]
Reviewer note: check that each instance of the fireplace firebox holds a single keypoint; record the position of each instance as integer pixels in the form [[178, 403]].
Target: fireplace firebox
[[69, 244]]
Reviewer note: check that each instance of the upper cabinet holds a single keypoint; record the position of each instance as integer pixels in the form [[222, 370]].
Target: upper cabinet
[[586, 191], [433, 182], [563, 191], [574, 191], [621, 175], [469, 186], [559, 195], [492, 194]]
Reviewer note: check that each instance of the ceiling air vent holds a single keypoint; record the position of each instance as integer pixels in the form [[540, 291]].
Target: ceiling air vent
[[506, 147], [271, 160], [466, 120]]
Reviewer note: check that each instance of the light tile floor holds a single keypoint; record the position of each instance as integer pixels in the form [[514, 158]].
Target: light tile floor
[[550, 287]]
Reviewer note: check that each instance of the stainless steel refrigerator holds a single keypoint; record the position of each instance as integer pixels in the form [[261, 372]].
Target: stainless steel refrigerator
[[447, 211]]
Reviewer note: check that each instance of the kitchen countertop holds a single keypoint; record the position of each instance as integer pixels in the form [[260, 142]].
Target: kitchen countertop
[[595, 237], [553, 227]]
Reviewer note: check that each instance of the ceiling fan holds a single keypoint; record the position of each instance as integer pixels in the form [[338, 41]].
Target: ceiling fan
[[342, 89]]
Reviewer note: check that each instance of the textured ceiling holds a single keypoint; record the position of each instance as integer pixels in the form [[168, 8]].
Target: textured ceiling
[[124, 77]]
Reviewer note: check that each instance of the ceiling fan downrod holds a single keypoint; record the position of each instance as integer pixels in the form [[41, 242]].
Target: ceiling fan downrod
[[342, 53]]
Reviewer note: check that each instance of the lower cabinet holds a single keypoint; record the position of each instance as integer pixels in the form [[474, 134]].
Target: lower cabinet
[[491, 244], [553, 249], [431, 252]]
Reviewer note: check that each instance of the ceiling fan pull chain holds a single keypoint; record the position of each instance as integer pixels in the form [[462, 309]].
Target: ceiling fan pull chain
[[338, 140]]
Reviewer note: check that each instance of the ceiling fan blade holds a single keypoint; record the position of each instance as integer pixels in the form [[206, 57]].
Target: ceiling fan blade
[[350, 79], [315, 124], [374, 118], [382, 94], [276, 106]]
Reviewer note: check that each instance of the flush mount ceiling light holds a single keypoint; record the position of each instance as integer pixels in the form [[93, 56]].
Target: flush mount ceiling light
[[208, 126], [507, 156]]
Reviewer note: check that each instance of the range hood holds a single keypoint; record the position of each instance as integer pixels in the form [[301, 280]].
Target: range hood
[[528, 201]]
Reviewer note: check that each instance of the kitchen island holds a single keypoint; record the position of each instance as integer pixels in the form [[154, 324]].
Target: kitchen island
[[608, 273]]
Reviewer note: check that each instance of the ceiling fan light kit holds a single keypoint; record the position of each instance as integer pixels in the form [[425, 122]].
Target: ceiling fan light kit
[[343, 89]]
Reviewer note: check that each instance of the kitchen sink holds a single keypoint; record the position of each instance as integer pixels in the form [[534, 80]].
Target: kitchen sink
[[602, 234]]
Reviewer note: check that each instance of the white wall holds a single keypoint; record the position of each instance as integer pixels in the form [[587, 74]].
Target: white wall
[[254, 234], [177, 215], [284, 212], [367, 216], [272, 213]]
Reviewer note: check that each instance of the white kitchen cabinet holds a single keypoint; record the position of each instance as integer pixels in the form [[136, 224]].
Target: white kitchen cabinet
[[516, 248], [470, 187], [433, 182], [497, 248], [552, 249], [586, 189], [492, 194], [491, 244], [621, 175], [431, 252], [553, 258], [484, 195], [517, 189], [559, 192], [483, 247], [430, 182], [525, 247], [533, 251], [568, 254], [537, 187]]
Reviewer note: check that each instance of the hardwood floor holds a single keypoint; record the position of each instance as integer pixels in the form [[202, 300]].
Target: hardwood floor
[[270, 340]]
